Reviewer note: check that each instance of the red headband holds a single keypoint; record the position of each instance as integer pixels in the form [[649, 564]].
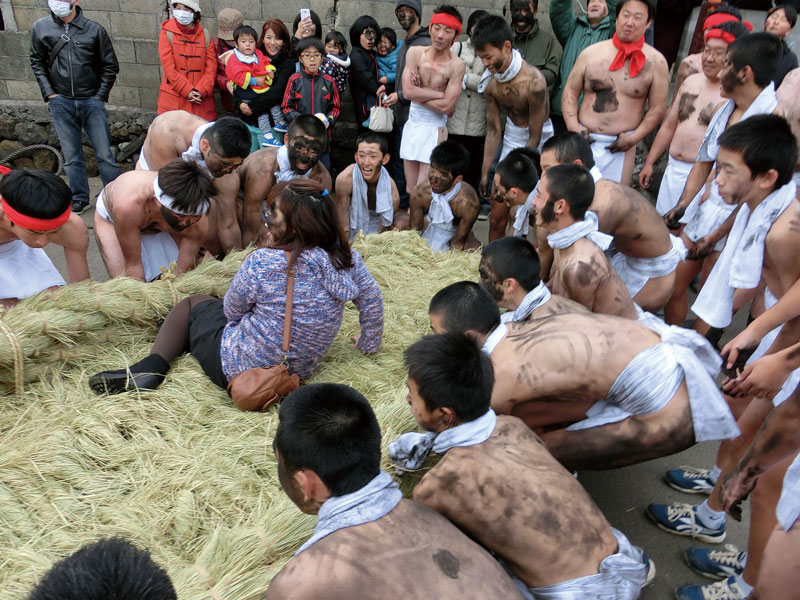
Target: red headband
[[716, 32], [32, 223], [4, 170], [718, 18], [447, 20]]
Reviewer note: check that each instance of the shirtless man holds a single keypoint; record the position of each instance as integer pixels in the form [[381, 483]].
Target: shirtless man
[[258, 174], [451, 203], [363, 519], [518, 88], [502, 470], [145, 220], [432, 80], [623, 392], [35, 211], [514, 184], [218, 147], [617, 77], [787, 96], [367, 196], [581, 270], [644, 254]]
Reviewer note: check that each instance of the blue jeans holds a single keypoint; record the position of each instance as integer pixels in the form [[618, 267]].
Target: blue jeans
[[70, 117]]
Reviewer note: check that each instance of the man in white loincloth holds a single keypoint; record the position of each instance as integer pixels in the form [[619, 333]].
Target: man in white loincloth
[[145, 220], [35, 211], [514, 184]]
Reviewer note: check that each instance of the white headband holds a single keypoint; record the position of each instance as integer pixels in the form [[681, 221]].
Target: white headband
[[169, 202]]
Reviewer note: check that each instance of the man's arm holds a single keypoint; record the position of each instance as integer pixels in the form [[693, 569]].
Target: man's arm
[[661, 142], [551, 64], [694, 182], [581, 280], [74, 237], [40, 54], [562, 19], [656, 107], [453, 90], [419, 202], [572, 91], [467, 210], [189, 248], [492, 141], [413, 92], [537, 109], [109, 66], [130, 242], [344, 194], [225, 201], [395, 204]]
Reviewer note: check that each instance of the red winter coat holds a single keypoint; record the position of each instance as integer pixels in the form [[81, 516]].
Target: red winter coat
[[188, 63]]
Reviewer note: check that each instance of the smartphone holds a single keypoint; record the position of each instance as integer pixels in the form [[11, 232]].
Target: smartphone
[[305, 14]]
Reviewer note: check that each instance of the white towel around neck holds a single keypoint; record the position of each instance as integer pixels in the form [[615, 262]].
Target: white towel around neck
[[588, 228], [193, 153], [522, 218], [440, 211], [532, 300], [506, 76], [495, 337], [359, 204], [285, 171]]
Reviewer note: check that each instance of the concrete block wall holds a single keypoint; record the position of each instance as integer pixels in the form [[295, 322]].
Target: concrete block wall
[[134, 26]]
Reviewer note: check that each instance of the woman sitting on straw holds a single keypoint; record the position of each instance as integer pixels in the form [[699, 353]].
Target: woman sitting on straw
[[245, 330]]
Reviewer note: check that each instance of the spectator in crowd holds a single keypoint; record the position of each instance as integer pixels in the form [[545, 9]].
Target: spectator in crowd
[[364, 84], [75, 66], [576, 33], [311, 26], [539, 48], [388, 48], [780, 22], [228, 20], [189, 63], [275, 43], [336, 62], [251, 74]]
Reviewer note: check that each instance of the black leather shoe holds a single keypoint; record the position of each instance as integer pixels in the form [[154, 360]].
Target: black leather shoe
[[122, 380]]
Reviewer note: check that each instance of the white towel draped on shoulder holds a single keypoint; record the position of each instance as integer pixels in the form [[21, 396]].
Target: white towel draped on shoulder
[[440, 229], [359, 206], [193, 153], [522, 219], [532, 300], [588, 228], [495, 337], [507, 75]]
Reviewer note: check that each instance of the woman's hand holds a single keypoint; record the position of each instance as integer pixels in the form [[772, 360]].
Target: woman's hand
[[391, 99], [194, 97], [305, 28]]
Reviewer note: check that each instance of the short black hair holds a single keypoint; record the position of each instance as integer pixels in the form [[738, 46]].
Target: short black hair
[[651, 7], [36, 193], [244, 30], [789, 10], [449, 10], [464, 306], [330, 429], [370, 137], [451, 156], [474, 17], [728, 9], [570, 146], [314, 19], [308, 124], [760, 51], [359, 26], [518, 169], [337, 38], [765, 142], [309, 42], [492, 30], [107, 568], [187, 183], [450, 370], [229, 137], [574, 184], [513, 257], [390, 34]]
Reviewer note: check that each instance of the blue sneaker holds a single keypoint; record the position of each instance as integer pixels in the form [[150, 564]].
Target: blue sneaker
[[680, 519], [651, 570], [716, 564], [270, 141], [281, 126], [690, 480], [727, 589]]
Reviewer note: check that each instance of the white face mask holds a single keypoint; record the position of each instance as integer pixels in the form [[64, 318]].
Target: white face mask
[[184, 17], [60, 9]]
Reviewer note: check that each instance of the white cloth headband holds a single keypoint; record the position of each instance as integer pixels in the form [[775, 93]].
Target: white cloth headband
[[169, 202]]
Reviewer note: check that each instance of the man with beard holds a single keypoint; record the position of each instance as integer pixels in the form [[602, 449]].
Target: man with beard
[[218, 148], [305, 142], [451, 203], [145, 220], [616, 78], [520, 90]]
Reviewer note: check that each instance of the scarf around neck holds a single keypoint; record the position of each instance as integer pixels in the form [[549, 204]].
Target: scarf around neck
[[440, 211], [580, 229], [504, 77], [625, 50], [193, 153], [532, 300]]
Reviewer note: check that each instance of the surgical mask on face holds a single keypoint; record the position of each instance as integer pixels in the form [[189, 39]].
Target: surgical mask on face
[[60, 9], [184, 17]]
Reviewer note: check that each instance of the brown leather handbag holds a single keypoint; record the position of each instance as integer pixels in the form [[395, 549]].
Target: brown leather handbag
[[261, 387]]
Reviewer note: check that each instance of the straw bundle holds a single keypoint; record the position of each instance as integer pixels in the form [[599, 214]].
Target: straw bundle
[[179, 471]]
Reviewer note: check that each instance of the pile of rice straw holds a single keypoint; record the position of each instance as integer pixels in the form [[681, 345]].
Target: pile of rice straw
[[179, 471]]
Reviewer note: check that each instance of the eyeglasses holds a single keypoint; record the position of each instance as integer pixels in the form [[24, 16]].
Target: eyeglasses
[[369, 34], [310, 55]]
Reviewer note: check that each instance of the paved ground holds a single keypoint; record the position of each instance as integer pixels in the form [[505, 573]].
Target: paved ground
[[622, 494]]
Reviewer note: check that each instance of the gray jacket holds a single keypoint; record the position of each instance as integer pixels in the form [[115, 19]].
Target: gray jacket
[[470, 115]]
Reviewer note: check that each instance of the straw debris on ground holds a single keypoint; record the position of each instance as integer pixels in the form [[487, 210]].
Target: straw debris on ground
[[179, 471]]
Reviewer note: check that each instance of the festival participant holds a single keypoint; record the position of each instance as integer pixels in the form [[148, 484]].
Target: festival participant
[[34, 212], [637, 394], [581, 270], [616, 78], [328, 448], [787, 96], [518, 88], [451, 203], [501, 467], [245, 330], [514, 184], [107, 568], [145, 220], [367, 196], [265, 168], [218, 148], [432, 80], [644, 254]]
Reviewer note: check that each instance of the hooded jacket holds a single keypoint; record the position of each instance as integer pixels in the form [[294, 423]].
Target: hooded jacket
[[541, 49]]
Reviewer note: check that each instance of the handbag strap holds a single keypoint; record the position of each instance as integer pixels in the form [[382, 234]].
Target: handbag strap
[[287, 319], [62, 41]]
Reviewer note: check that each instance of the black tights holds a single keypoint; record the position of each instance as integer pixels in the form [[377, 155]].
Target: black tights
[[173, 337]]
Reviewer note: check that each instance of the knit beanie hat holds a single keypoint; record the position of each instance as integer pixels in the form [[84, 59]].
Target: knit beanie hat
[[193, 4], [415, 5]]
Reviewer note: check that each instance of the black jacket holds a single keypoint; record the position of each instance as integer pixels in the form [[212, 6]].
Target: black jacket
[[311, 94], [786, 62], [420, 38], [364, 83], [86, 66]]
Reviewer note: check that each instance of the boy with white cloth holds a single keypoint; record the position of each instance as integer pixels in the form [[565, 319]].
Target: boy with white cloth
[[502, 468], [35, 211], [328, 449], [515, 181]]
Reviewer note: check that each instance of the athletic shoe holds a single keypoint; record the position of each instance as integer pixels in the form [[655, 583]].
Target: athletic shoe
[[79, 206], [270, 141], [281, 126], [484, 212], [721, 590], [690, 480], [716, 564], [651, 570], [680, 519]]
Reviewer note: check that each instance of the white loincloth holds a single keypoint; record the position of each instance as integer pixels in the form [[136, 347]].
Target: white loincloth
[[788, 509], [25, 271], [421, 133], [621, 577], [440, 229], [636, 272], [142, 162], [672, 184], [740, 264], [158, 249], [514, 137], [610, 163], [522, 218], [703, 219], [361, 218]]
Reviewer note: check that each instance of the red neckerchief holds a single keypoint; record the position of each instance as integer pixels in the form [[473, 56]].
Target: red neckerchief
[[632, 49]]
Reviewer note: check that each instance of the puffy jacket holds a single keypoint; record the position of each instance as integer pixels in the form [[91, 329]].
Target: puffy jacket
[[86, 66], [189, 63], [308, 94], [364, 83], [470, 115], [576, 34], [541, 49]]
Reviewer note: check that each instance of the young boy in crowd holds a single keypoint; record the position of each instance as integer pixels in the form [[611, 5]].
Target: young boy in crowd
[[336, 62], [388, 48], [249, 71]]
